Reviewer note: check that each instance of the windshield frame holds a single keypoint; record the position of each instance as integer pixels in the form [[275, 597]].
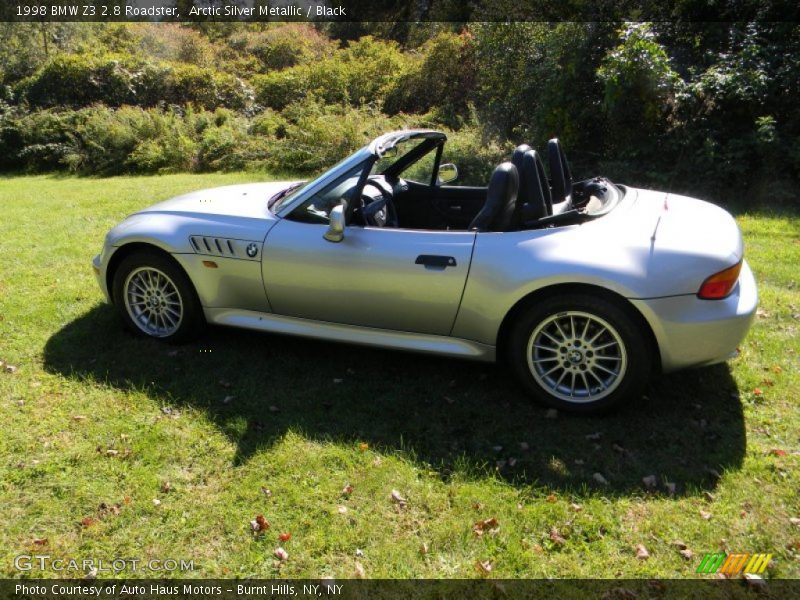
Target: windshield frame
[[371, 151]]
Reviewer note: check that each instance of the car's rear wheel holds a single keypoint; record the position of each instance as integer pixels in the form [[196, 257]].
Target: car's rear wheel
[[155, 298], [580, 353]]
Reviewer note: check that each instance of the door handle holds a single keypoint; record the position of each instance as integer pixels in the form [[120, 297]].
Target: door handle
[[435, 260]]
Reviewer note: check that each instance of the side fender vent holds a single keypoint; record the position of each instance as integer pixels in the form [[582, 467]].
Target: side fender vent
[[224, 247]]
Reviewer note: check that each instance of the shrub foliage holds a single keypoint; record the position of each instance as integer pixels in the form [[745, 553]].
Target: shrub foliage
[[705, 106]]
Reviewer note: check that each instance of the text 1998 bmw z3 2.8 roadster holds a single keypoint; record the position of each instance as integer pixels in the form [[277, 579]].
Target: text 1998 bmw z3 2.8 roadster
[[586, 288]]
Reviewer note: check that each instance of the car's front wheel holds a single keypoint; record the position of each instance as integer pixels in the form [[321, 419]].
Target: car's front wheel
[[580, 353], [155, 298]]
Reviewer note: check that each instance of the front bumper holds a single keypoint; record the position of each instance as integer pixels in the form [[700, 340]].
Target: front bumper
[[692, 332], [99, 269]]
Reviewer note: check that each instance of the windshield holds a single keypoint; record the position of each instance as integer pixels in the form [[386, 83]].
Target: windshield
[[285, 196]]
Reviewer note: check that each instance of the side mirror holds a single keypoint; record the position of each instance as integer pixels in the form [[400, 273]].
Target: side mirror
[[335, 232], [447, 172]]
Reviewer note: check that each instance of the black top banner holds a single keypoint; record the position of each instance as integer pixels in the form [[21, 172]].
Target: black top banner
[[188, 11]]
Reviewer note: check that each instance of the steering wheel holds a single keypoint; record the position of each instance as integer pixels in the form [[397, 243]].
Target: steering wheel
[[378, 212]]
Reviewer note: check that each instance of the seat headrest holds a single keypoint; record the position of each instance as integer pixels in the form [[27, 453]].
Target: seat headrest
[[516, 156]]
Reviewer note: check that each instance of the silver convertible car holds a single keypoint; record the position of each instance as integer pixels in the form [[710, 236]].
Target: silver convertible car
[[584, 288]]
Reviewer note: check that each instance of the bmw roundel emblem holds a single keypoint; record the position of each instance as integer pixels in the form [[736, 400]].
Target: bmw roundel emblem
[[252, 249]]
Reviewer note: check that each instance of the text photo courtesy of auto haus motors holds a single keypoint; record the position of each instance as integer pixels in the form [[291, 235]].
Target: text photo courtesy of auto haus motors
[[302, 304]]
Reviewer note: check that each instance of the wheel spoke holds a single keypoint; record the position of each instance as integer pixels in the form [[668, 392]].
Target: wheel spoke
[[545, 348], [549, 359], [609, 371], [560, 379], [572, 385], [585, 330], [586, 383], [600, 332], [560, 331], [551, 370], [604, 346]]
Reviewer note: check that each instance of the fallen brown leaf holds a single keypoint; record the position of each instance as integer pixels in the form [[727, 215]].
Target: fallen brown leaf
[[285, 537], [281, 554], [556, 537], [347, 490], [705, 515], [490, 526], [423, 548], [686, 553], [88, 521], [641, 552], [359, 571], [78, 418], [483, 567], [396, 497], [551, 498], [39, 541], [679, 544], [777, 452]]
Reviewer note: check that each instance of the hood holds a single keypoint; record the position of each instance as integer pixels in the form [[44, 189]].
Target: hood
[[246, 200]]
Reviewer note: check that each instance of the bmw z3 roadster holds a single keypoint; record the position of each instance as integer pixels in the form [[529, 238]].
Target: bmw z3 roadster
[[584, 288]]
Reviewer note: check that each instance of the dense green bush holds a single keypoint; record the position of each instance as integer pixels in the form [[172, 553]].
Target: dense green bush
[[278, 46], [317, 135], [357, 74], [439, 77], [80, 80]]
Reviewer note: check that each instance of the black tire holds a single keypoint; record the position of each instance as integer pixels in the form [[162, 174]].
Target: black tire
[[191, 321], [616, 365]]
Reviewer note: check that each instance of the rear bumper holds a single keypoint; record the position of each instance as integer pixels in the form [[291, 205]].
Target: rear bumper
[[691, 332]]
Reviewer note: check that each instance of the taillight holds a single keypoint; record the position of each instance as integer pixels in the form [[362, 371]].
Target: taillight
[[720, 285]]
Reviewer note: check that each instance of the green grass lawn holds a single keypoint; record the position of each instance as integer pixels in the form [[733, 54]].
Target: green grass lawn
[[112, 446]]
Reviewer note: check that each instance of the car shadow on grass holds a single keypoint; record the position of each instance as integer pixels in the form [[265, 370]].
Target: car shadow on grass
[[451, 415]]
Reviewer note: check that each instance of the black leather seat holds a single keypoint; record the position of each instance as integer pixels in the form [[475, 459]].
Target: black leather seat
[[534, 200], [501, 198]]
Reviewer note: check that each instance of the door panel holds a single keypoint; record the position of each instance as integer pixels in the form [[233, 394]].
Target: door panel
[[439, 207], [387, 278]]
